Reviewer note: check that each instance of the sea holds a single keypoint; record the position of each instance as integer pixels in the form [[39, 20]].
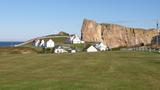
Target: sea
[[5, 44]]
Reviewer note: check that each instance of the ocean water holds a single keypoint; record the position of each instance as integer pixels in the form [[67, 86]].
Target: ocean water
[[2, 44]]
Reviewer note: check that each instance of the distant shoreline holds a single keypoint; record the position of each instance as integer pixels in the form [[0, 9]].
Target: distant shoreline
[[9, 43]]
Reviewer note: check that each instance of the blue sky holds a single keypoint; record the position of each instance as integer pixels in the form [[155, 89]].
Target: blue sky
[[21, 20]]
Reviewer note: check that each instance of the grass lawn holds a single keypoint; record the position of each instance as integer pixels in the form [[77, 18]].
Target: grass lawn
[[81, 71]]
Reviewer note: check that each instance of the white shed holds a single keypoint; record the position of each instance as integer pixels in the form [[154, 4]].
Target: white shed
[[73, 51], [50, 43], [92, 49], [59, 49], [101, 47]]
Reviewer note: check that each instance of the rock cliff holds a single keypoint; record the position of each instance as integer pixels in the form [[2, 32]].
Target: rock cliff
[[115, 35]]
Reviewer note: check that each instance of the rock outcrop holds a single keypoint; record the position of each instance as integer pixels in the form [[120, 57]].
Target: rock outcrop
[[115, 35]]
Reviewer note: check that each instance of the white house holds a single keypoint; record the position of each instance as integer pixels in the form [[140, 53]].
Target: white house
[[73, 51], [101, 47], [75, 39], [59, 49], [92, 49], [37, 42], [50, 43], [42, 44]]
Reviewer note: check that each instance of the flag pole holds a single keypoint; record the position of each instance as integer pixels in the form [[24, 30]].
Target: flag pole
[[158, 33]]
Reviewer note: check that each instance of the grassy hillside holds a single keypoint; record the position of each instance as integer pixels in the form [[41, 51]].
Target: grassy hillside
[[57, 40], [19, 50], [81, 71]]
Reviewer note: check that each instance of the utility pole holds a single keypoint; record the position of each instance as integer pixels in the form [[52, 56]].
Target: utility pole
[[158, 33]]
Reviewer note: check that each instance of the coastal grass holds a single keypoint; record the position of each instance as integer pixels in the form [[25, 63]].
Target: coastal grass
[[82, 71], [19, 50]]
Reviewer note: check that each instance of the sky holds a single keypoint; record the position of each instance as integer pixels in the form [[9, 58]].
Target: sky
[[21, 20]]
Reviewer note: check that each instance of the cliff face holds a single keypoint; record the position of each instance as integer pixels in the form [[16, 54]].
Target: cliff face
[[115, 35]]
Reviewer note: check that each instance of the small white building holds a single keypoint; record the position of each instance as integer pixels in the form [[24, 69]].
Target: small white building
[[50, 43], [37, 42], [92, 49], [101, 47], [73, 51], [42, 44], [59, 49], [75, 39]]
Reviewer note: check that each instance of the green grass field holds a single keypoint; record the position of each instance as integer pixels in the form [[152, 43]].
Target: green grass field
[[81, 71]]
